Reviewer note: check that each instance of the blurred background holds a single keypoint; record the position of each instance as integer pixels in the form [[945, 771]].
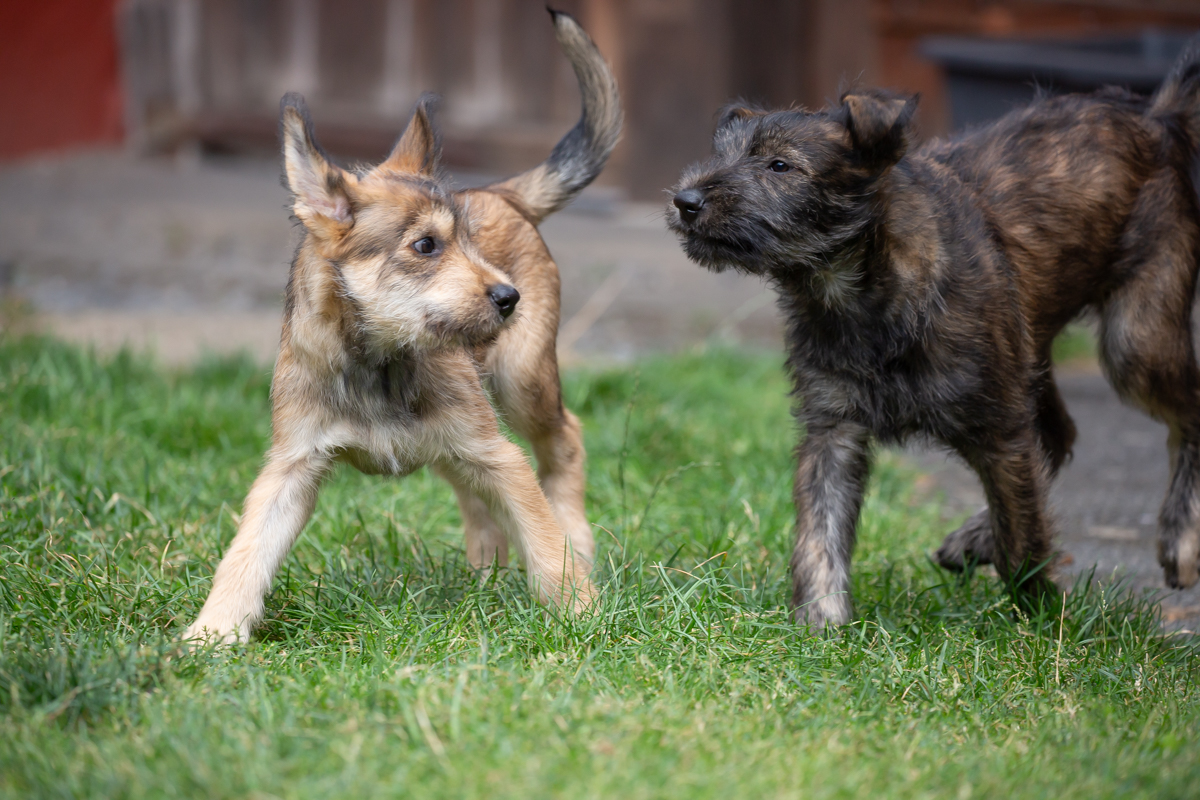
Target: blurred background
[[139, 195], [161, 75]]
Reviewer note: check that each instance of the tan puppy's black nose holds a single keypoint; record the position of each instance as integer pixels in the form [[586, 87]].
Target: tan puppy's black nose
[[505, 298], [689, 202]]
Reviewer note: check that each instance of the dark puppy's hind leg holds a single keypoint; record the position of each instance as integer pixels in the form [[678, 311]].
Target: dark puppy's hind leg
[[1147, 350], [1179, 520], [972, 543], [1055, 428]]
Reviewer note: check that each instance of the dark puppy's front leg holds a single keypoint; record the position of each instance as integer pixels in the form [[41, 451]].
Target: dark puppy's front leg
[[1015, 480], [834, 462]]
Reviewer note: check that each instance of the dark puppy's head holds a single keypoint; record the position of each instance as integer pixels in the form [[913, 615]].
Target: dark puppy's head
[[394, 241], [784, 189]]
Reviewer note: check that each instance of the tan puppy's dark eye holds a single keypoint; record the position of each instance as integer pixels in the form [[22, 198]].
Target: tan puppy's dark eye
[[426, 246], [778, 166]]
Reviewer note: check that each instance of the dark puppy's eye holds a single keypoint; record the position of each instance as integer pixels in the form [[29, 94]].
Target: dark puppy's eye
[[426, 246], [778, 166]]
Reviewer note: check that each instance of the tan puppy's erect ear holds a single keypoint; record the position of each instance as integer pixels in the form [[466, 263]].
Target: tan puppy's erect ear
[[320, 189], [878, 122], [418, 150]]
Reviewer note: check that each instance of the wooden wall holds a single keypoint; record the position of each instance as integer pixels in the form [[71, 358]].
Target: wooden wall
[[213, 70], [59, 76]]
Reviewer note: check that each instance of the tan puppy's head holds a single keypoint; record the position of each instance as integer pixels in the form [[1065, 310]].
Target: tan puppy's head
[[393, 241]]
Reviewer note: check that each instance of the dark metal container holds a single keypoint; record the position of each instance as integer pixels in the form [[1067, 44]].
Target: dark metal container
[[986, 78]]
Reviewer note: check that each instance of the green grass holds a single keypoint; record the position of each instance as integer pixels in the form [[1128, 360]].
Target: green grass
[[1076, 344], [385, 669]]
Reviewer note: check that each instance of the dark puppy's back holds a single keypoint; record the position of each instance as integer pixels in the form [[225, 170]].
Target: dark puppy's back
[[1057, 182]]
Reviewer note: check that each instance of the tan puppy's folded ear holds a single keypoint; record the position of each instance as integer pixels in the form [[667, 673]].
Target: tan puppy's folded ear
[[418, 151], [878, 122], [321, 196]]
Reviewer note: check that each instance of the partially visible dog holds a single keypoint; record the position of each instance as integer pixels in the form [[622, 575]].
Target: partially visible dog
[[400, 303], [923, 290]]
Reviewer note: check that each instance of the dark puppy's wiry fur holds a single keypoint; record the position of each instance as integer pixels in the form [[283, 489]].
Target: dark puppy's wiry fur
[[399, 306], [923, 290]]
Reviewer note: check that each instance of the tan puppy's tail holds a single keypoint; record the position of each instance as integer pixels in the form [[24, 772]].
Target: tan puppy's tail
[[580, 155]]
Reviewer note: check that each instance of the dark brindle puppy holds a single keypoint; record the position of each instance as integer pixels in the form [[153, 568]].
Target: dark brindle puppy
[[923, 290]]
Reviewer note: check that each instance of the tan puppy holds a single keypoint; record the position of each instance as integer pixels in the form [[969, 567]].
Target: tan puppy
[[400, 304]]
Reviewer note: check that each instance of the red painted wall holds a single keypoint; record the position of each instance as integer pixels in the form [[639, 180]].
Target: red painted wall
[[59, 76]]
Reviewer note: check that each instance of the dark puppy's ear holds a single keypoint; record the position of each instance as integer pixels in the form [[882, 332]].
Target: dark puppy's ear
[[320, 190], [418, 150], [737, 111], [879, 122]]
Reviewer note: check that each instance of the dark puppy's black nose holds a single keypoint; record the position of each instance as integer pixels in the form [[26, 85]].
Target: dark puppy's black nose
[[505, 297], [689, 202]]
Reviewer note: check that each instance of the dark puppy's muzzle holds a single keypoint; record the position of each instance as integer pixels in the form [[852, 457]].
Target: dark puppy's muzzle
[[505, 298], [689, 202]]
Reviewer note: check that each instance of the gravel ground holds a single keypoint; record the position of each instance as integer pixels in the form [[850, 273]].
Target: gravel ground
[[189, 257]]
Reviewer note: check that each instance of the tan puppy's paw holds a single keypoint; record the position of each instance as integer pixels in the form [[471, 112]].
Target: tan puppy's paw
[[203, 632]]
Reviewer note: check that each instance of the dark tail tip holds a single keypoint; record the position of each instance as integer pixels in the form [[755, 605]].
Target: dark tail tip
[[428, 102], [557, 17], [292, 100]]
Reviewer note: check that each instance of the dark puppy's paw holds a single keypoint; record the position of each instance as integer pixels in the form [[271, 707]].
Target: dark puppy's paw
[[1038, 594], [824, 615], [1175, 578], [1180, 568], [971, 544]]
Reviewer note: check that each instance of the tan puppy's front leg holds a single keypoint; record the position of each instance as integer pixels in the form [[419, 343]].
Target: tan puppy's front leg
[[277, 507], [498, 473]]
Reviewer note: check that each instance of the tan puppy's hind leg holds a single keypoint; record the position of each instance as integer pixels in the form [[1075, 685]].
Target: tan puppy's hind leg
[[499, 474], [486, 544], [560, 459]]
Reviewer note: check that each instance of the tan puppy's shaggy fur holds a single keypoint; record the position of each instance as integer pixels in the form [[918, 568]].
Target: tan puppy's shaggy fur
[[400, 306]]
